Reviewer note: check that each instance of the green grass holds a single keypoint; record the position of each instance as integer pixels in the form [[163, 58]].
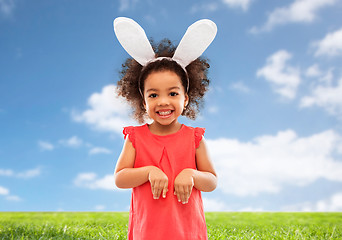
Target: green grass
[[232, 225]]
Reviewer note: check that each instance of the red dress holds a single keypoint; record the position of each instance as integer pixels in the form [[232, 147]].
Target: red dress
[[165, 218]]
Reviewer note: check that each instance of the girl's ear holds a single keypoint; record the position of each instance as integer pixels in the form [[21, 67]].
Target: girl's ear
[[144, 103], [186, 100]]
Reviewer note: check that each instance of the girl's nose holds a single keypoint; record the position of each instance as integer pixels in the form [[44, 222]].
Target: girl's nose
[[163, 101]]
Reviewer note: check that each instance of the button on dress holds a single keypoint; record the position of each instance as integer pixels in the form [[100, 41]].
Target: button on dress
[[165, 218]]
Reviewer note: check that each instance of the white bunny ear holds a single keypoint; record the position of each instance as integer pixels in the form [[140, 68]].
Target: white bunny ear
[[133, 39], [195, 41]]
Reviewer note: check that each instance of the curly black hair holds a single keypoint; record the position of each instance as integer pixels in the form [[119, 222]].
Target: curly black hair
[[133, 75]]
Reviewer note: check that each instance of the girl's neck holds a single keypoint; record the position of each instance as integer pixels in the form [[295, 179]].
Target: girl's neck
[[163, 130]]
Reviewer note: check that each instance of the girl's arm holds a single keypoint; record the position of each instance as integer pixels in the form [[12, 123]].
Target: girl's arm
[[203, 179], [126, 176]]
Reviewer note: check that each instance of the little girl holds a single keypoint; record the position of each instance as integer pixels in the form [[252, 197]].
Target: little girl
[[165, 162]]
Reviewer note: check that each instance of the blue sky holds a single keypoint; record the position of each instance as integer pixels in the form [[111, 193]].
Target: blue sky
[[273, 115]]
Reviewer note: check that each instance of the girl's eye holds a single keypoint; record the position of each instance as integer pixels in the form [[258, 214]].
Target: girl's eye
[[152, 95], [173, 94]]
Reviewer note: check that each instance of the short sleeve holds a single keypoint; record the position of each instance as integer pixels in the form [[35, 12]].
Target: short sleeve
[[129, 131], [199, 132]]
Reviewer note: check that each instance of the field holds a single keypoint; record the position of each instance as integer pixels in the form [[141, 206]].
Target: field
[[110, 225]]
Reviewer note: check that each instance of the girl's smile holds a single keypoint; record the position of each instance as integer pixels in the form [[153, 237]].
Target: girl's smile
[[164, 113], [164, 99]]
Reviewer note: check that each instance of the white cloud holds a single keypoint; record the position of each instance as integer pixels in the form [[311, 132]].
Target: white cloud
[[126, 4], [100, 207], [331, 204], [251, 209], [267, 163], [214, 205], [73, 142], [327, 78], [330, 45], [31, 173], [13, 198], [326, 96], [204, 7], [151, 19], [4, 191], [99, 150], [299, 11], [6, 172], [313, 71], [45, 146], [243, 4], [6, 7], [106, 112], [240, 86], [91, 181], [213, 109], [284, 78]]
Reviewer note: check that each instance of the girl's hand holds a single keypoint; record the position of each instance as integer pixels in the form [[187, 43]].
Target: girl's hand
[[159, 182], [184, 183]]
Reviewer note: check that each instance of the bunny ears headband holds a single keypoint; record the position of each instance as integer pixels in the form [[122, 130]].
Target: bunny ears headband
[[195, 41]]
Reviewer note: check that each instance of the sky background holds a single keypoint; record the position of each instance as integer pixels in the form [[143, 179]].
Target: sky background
[[273, 115]]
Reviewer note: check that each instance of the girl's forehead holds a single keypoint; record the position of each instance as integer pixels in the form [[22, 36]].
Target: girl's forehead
[[164, 79]]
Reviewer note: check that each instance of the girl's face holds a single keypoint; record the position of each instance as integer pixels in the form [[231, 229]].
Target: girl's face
[[164, 97]]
